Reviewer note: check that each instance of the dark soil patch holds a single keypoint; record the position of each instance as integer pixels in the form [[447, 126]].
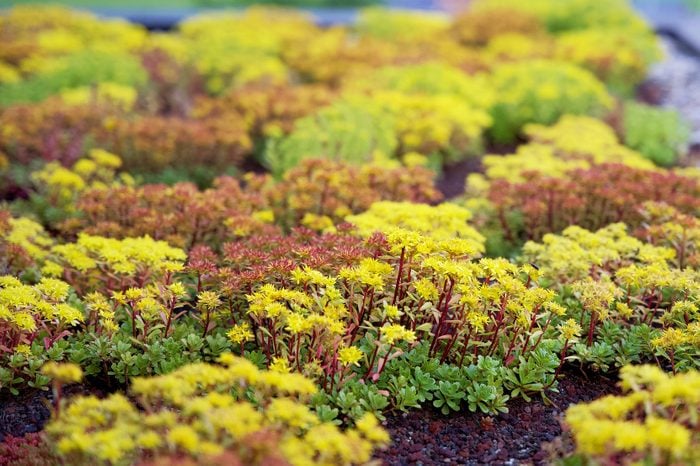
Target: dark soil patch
[[451, 181], [28, 412], [427, 437]]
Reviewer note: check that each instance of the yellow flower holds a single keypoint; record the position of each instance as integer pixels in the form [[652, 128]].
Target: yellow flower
[[350, 356], [280, 365], [184, 437], [394, 333], [65, 372], [240, 333], [426, 289], [570, 330], [208, 301]]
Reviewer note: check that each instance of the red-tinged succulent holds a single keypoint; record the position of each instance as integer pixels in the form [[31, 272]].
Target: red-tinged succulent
[[152, 143], [271, 257], [590, 198], [50, 130], [269, 110], [29, 450], [335, 190], [181, 214], [479, 26]]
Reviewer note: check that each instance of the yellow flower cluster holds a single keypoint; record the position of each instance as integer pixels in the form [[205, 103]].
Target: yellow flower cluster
[[655, 421], [30, 236], [118, 95], [200, 411], [115, 263], [573, 142], [61, 186], [430, 124], [62, 32], [619, 58], [240, 333], [542, 91], [64, 373], [28, 312], [401, 25], [235, 49], [577, 252], [445, 225], [429, 79], [666, 226]]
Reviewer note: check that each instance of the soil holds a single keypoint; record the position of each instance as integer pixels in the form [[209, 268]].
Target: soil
[[452, 179], [28, 412], [527, 434]]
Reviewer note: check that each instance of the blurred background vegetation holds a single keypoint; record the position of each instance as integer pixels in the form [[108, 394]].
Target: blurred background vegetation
[[199, 3]]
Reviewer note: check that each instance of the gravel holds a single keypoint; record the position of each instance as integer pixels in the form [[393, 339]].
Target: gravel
[[525, 435], [677, 83]]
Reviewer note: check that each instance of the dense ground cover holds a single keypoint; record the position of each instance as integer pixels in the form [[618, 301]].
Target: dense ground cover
[[224, 244]]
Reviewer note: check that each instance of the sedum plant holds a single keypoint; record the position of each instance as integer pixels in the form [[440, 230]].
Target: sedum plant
[[440, 222], [230, 413], [590, 198], [616, 55], [23, 243], [580, 14], [653, 421], [98, 263], [660, 135], [541, 91], [385, 126], [57, 188], [635, 303], [479, 26], [73, 71], [400, 25], [326, 192], [346, 131]]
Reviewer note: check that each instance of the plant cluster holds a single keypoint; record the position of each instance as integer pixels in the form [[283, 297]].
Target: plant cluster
[[231, 413], [637, 300], [654, 421], [658, 134], [318, 194], [223, 89], [240, 317]]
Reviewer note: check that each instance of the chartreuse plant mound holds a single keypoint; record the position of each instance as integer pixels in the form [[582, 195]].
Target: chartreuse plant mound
[[542, 91], [32, 320], [384, 127], [654, 421], [659, 134], [572, 142], [231, 413], [444, 221], [578, 14], [638, 301]]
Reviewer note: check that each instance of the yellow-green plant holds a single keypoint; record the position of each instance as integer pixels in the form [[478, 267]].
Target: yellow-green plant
[[23, 242], [98, 263], [441, 222], [34, 313], [58, 188], [571, 143], [541, 91], [574, 14], [231, 413], [617, 279], [654, 421], [350, 131], [620, 57], [401, 25]]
